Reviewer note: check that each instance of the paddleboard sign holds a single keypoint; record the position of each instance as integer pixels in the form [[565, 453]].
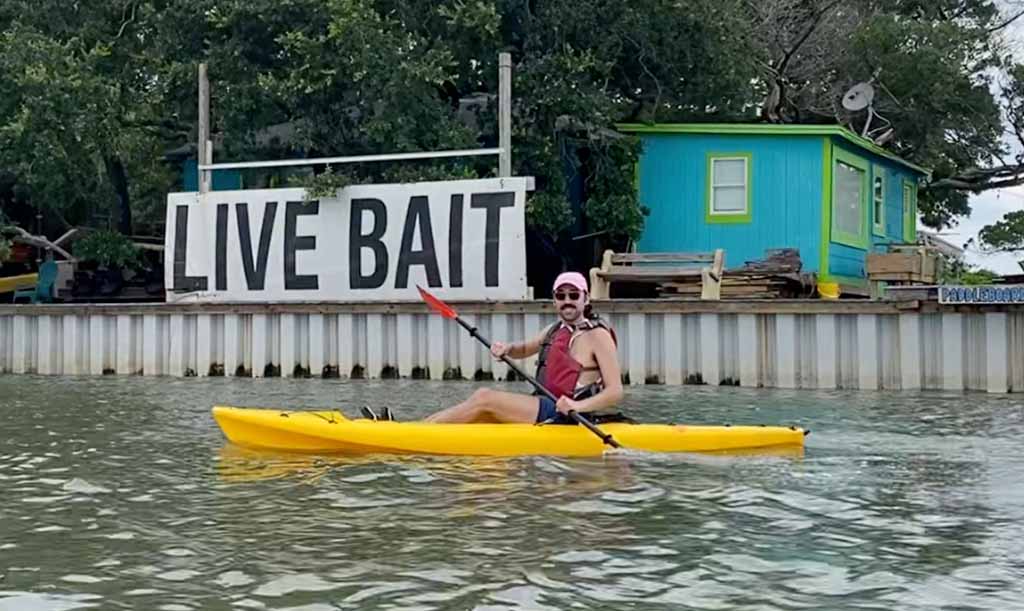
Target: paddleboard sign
[[1011, 293], [461, 239]]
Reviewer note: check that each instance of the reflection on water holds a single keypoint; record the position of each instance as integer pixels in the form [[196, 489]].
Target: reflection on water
[[121, 493]]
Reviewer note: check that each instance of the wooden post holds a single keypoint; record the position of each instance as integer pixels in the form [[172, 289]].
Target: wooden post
[[505, 114], [599, 288], [711, 278], [202, 146]]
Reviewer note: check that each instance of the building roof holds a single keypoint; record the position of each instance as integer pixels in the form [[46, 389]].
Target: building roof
[[929, 238], [771, 129]]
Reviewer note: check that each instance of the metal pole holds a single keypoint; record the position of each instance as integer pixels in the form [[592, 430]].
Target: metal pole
[[202, 148], [234, 165], [505, 114]]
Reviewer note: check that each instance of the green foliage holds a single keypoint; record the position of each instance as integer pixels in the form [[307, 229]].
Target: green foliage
[[959, 272], [109, 85], [107, 248], [5, 243], [1006, 235], [548, 212], [613, 204], [978, 276], [86, 90], [620, 215], [326, 184]]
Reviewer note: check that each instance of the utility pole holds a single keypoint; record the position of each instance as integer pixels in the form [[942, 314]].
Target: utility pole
[[505, 114], [203, 146]]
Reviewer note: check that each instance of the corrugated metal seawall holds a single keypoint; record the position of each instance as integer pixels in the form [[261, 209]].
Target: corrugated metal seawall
[[784, 345]]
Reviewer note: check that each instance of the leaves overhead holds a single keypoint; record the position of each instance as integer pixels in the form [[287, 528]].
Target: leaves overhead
[[100, 96]]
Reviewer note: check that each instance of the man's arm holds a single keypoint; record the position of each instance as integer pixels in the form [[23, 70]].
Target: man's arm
[[608, 361], [521, 350]]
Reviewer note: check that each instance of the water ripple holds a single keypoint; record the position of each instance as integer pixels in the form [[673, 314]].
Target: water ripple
[[121, 493]]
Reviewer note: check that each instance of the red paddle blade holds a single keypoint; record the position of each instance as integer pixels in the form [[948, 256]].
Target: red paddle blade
[[439, 306]]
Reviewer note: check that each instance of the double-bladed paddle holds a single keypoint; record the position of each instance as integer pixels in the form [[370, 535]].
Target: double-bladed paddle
[[447, 311]]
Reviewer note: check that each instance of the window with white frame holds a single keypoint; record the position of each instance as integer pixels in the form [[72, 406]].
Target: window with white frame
[[849, 198], [729, 186]]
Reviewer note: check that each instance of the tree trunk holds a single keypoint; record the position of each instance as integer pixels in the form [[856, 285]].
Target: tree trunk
[[119, 180]]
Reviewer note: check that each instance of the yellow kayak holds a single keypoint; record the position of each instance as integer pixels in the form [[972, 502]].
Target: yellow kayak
[[12, 283], [332, 432]]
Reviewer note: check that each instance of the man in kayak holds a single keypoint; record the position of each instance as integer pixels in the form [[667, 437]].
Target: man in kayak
[[578, 363]]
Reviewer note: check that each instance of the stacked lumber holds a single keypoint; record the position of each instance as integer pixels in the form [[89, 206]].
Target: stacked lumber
[[777, 276], [776, 261]]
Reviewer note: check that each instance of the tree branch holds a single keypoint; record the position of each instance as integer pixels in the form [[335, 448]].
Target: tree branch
[[27, 238], [982, 179], [640, 58], [1004, 24], [125, 24], [807, 34]]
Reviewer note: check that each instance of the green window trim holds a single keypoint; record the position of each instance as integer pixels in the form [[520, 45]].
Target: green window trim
[[712, 217], [878, 206], [909, 212], [859, 239], [826, 208]]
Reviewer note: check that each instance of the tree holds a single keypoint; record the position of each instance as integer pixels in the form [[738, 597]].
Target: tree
[[1006, 235], [87, 119], [932, 65], [99, 92]]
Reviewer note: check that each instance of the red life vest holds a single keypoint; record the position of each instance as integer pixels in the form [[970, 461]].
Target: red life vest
[[557, 370]]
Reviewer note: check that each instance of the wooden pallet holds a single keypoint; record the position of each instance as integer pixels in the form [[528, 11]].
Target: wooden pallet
[[747, 285]]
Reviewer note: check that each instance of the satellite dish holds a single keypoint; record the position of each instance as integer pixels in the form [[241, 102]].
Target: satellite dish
[[858, 97]]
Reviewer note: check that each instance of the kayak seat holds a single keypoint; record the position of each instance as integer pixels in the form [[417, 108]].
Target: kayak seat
[[606, 417]]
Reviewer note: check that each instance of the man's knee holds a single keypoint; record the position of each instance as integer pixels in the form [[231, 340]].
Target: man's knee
[[482, 397]]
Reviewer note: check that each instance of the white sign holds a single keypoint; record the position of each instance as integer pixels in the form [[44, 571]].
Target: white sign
[[462, 239], [1010, 293]]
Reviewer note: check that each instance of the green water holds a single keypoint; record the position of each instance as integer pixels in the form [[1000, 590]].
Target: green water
[[120, 493]]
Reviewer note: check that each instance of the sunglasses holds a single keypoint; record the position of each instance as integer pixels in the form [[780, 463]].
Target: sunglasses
[[571, 295]]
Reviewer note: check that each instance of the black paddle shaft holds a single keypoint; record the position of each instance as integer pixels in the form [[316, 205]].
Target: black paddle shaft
[[605, 437]]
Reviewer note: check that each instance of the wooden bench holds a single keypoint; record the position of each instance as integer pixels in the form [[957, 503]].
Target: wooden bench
[[659, 267]]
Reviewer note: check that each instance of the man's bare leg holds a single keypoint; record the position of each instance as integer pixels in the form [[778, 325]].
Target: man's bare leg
[[493, 404]]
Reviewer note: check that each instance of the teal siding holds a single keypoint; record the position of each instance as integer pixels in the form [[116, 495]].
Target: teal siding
[[786, 196], [894, 177], [223, 180], [847, 261], [894, 204]]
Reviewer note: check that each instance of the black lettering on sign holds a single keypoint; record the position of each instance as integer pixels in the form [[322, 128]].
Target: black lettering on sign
[[221, 254], [357, 241], [293, 243], [455, 242], [182, 281], [493, 203], [418, 214], [255, 275]]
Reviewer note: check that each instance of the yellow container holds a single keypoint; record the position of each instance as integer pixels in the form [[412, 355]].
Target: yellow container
[[828, 290]]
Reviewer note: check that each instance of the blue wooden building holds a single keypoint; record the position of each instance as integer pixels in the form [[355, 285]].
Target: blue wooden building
[[746, 188]]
